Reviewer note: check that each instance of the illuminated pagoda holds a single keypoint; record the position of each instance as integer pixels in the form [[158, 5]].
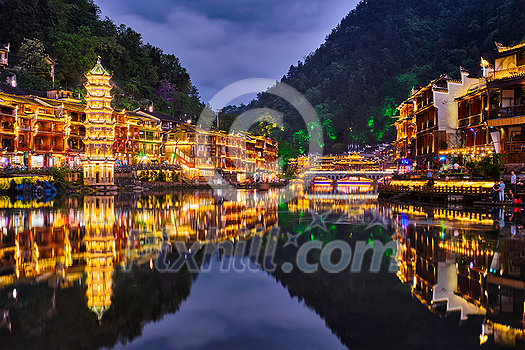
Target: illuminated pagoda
[[99, 164], [99, 241]]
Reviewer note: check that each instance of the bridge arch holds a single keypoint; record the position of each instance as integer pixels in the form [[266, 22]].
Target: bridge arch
[[354, 184], [322, 181]]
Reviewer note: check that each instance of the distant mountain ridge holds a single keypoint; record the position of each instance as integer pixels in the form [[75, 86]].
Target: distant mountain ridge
[[379, 52]]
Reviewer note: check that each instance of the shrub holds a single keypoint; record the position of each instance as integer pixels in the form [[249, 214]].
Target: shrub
[[490, 166], [60, 174]]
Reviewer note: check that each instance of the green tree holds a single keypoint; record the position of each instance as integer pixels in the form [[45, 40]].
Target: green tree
[[35, 58], [75, 54], [490, 166]]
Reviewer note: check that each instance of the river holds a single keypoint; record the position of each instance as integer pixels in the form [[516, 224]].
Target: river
[[258, 270]]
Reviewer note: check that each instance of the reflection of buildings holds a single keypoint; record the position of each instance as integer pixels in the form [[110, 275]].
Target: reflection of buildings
[[465, 266], [99, 216], [85, 242], [505, 287], [306, 203], [201, 216], [433, 272]]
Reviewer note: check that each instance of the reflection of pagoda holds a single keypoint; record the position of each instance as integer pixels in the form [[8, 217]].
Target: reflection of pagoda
[[99, 165], [99, 240]]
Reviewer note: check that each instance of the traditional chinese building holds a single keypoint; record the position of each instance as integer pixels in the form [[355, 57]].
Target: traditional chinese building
[[506, 101], [4, 53], [99, 165], [406, 131], [436, 114]]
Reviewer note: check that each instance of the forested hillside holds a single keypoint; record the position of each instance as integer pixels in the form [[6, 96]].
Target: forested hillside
[[379, 51], [72, 34], [366, 67]]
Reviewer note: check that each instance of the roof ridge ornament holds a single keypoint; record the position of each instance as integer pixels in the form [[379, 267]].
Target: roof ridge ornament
[[98, 69], [501, 48]]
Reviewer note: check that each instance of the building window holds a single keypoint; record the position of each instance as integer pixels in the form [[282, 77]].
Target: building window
[[520, 59]]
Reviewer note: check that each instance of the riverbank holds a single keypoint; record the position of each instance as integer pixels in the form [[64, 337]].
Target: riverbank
[[430, 191], [77, 188]]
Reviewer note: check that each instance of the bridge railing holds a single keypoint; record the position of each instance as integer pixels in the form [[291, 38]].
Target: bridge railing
[[448, 189]]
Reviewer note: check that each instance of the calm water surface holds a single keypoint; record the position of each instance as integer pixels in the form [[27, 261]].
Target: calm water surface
[[84, 273]]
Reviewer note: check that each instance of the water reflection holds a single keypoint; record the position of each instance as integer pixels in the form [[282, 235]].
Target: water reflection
[[471, 262], [95, 255]]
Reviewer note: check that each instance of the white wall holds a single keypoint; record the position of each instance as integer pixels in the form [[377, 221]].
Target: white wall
[[447, 108]]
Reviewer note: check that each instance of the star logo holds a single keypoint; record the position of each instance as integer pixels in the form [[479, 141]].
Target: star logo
[[344, 219], [377, 220], [319, 221], [292, 239]]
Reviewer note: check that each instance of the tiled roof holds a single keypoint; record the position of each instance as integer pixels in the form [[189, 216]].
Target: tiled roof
[[502, 48], [163, 116], [8, 89], [98, 69]]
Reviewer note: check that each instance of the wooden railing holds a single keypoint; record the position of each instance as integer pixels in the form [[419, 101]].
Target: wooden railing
[[472, 120], [448, 189], [506, 73], [507, 112]]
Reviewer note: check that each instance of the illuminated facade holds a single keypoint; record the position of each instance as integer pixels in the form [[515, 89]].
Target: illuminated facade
[[506, 101], [4, 55], [237, 157], [99, 165], [59, 130], [470, 116], [406, 130]]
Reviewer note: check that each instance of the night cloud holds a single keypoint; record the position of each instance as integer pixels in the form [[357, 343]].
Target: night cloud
[[221, 42]]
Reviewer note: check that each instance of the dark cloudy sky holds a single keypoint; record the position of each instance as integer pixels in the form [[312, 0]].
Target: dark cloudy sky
[[223, 41]]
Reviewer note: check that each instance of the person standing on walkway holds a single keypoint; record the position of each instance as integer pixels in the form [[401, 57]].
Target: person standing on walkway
[[502, 191], [513, 181], [495, 192]]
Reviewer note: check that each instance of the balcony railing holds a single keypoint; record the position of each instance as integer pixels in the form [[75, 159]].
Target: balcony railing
[[425, 125], [119, 149], [472, 120], [76, 148], [506, 73], [42, 147], [424, 150], [515, 146], [77, 133], [507, 112], [41, 129]]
